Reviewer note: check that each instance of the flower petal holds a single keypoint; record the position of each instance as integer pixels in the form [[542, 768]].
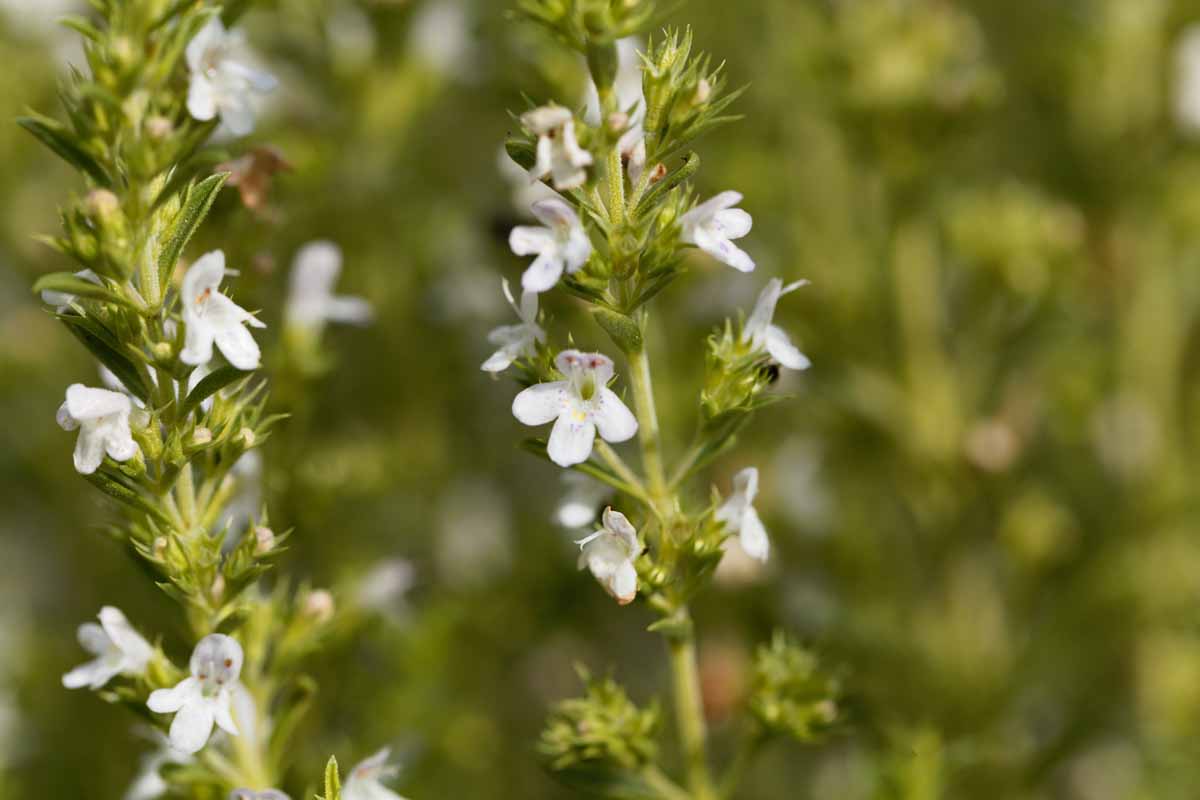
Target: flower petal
[[124, 636], [753, 536], [84, 402], [238, 346], [223, 715], [89, 451], [571, 440], [613, 418], [782, 350], [93, 675], [164, 701], [202, 98], [540, 403], [528, 240], [203, 276], [192, 726], [543, 273], [734, 222], [198, 343], [624, 583]]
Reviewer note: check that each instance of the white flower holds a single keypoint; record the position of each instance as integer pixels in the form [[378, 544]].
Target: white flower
[[212, 317], [63, 300], [311, 301], [738, 515], [580, 406], [364, 782], [149, 784], [222, 83], [516, 341], [526, 190], [610, 552], [265, 794], [1187, 80], [713, 224], [582, 500], [558, 153], [760, 334], [440, 37], [627, 86], [103, 421], [561, 244], [385, 585], [205, 697], [119, 650]]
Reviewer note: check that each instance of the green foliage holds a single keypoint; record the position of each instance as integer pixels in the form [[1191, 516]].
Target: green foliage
[[790, 694], [601, 733]]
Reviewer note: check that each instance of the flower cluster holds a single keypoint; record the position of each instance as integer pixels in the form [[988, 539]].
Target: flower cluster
[[621, 223], [172, 434]]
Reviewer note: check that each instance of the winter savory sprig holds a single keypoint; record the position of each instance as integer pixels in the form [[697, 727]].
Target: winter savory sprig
[[172, 436], [625, 225]]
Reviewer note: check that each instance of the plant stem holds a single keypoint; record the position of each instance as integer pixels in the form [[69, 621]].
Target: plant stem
[[736, 771], [666, 788], [185, 491], [689, 713], [648, 433]]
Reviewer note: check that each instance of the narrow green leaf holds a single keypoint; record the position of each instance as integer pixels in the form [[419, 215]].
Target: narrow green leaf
[[70, 283], [100, 344], [209, 385], [333, 781], [199, 200], [57, 138]]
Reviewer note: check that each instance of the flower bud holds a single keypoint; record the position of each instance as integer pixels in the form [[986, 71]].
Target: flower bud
[[703, 92], [102, 205], [217, 590], [319, 606], [159, 127], [163, 352], [264, 540], [246, 437], [201, 436], [159, 548], [618, 121]]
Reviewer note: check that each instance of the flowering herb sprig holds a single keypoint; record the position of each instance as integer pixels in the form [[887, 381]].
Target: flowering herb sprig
[[624, 227], [181, 404]]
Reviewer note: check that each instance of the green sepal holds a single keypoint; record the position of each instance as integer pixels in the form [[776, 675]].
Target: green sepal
[[623, 330]]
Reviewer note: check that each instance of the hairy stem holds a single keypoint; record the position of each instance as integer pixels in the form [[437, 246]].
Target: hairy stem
[[648, 432], [689, 713]]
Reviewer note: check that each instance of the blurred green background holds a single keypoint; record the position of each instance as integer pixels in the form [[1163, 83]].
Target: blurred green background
[[982, 498]]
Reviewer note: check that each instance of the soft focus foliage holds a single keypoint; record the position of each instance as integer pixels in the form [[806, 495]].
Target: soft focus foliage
[[982, 497]]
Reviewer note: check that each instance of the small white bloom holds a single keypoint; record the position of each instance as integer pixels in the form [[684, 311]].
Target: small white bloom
[[311, 301], [582, 500], [1187, 80], [440, 38], [761, 334], [738, 515], [205, 697], [102, 418], [516, 341], [713, 224], [265, 794], [525, 189], [149, 783], [610, 552], [558, 153], [63, 300], [385, 586], [212, 317], [561, 244], [223, 82], [627, 86], [119, 650], [365, 780], [580, 406]]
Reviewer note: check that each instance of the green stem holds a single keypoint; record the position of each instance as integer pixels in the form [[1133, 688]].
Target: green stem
[[648, 432], [736, 771], [618, 465], [689, 713], [666, 788], [185, 494]]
